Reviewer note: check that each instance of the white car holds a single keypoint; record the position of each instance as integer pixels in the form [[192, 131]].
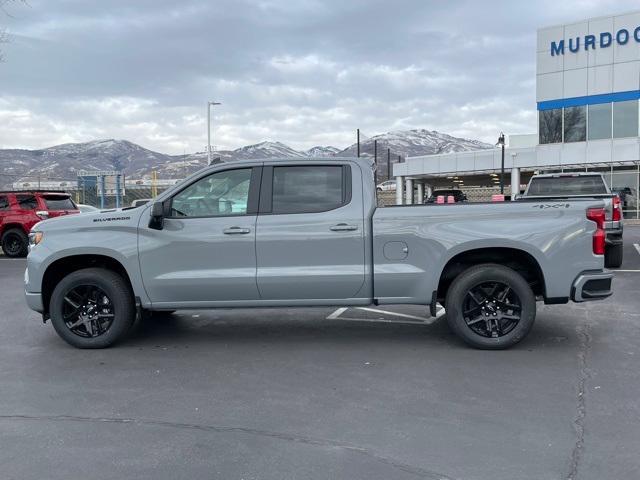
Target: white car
[[87, 208], [388, 186]]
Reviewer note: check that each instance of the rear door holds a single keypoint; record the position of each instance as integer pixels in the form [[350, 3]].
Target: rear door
[[310, 232]]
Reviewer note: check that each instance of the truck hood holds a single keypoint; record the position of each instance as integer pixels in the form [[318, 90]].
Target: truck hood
[[119, 217]]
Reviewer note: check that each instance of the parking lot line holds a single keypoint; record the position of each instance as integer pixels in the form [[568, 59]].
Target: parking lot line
[[637, 247], [396, 314], [337, 313], [620, 270]]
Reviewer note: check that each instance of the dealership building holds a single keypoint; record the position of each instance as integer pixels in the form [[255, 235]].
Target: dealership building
[[587, 95]]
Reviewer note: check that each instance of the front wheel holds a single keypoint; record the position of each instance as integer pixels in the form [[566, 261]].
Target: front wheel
[[490, 307], [92, 308]]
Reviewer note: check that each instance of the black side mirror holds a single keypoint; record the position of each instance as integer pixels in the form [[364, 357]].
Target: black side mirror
[[158, 212]]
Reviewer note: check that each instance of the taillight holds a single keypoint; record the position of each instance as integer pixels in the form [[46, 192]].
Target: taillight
[[598, 215], [617, 209]]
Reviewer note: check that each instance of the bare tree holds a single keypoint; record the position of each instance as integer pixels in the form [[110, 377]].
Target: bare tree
[[4, 36]]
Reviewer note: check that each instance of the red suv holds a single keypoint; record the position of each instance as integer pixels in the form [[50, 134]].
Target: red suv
[[19, 211]]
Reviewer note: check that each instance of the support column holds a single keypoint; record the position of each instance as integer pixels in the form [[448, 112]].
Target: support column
[[409, 191], [515, 182], [399, 190], [420, 192]]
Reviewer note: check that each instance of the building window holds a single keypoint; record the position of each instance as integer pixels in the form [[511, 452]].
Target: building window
[[625, 119], [599, 121], [575, 124], [550, 126]]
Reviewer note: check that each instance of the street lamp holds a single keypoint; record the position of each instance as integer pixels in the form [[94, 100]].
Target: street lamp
[[501, 143], [209, 105]]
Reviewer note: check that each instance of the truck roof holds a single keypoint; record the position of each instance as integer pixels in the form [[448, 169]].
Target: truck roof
[[567, 174], [363, 160]]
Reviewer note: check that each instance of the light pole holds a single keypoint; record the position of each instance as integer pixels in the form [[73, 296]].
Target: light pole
[[209, 105], [501, 143]]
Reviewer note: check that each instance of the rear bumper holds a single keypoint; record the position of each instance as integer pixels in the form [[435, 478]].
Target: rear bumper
[[592, 285], [34, 301]]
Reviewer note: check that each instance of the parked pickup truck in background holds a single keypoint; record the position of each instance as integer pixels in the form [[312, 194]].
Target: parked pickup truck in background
[[21, 210], [584, 185], [308, 233]]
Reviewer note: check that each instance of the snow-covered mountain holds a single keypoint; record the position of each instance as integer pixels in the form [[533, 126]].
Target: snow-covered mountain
[[63, 161], [320, 151], [410, 143]]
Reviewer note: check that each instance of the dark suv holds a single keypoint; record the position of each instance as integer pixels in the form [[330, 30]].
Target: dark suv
[[21, 210], [458, 195]]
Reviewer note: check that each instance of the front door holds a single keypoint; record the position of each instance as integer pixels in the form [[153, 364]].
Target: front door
[[310, 232], [205, 251]]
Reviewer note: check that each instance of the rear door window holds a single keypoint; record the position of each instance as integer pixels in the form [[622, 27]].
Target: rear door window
[[4, 202], [59, 202], [27, 202], [578, 185], [308, 189]]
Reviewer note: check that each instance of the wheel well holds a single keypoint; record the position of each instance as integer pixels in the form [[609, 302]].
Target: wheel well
[[519, 260], [63, 267], [11, 226]]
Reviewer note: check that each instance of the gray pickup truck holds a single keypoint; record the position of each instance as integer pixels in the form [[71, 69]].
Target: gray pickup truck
[[576, 185], [308, 233]]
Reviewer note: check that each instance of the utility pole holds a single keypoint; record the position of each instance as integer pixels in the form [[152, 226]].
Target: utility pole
[[358, 140], [209, 105], [388, 164], [501, 143], [375, 162]]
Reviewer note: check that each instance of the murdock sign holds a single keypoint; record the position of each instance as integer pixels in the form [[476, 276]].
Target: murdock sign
[[591, 42]]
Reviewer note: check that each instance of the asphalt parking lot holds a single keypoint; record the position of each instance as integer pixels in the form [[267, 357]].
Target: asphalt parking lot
[[324, 394]]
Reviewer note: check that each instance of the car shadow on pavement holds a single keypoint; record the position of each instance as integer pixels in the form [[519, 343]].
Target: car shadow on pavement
[[295, 326]]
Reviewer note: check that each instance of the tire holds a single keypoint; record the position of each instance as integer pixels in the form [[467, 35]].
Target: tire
[[613, 256], [478, 321], [15, 243], [112, 319]]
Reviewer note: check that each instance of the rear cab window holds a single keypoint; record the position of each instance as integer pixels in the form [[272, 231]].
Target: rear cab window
[[310, 188], [4, 203], [567, 185], [59, 202]]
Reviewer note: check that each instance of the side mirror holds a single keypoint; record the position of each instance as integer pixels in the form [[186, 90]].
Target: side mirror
[[158, 212], [42, 214]]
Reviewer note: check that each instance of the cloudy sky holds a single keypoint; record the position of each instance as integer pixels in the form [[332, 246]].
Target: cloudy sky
[[303, 72]]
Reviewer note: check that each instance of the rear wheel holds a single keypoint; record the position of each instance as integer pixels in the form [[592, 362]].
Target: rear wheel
[[15, 243], [490, 307], [613, 256], [92, 308]]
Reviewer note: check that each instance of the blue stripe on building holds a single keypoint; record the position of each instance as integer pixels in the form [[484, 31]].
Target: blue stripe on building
[[589, 100]]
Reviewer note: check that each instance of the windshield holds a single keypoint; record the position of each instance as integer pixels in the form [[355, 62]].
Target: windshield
[[561, 186]]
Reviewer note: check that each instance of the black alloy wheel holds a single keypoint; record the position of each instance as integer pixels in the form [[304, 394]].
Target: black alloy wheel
[[92, 308], [492, 309], [15, 243], [87, 311], [490, 306]]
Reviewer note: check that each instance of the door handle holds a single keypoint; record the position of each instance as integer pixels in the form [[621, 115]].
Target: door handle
[[236, 231], [343, 227]]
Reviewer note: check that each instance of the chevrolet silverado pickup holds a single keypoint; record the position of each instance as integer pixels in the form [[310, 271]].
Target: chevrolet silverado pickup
[[577, 185], [308, 233]]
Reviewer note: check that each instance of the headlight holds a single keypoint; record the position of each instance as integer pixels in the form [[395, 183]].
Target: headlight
[[35, 238]]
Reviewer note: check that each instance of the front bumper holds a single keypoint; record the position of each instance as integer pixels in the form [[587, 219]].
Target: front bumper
[[592, 285], [34, 301]]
